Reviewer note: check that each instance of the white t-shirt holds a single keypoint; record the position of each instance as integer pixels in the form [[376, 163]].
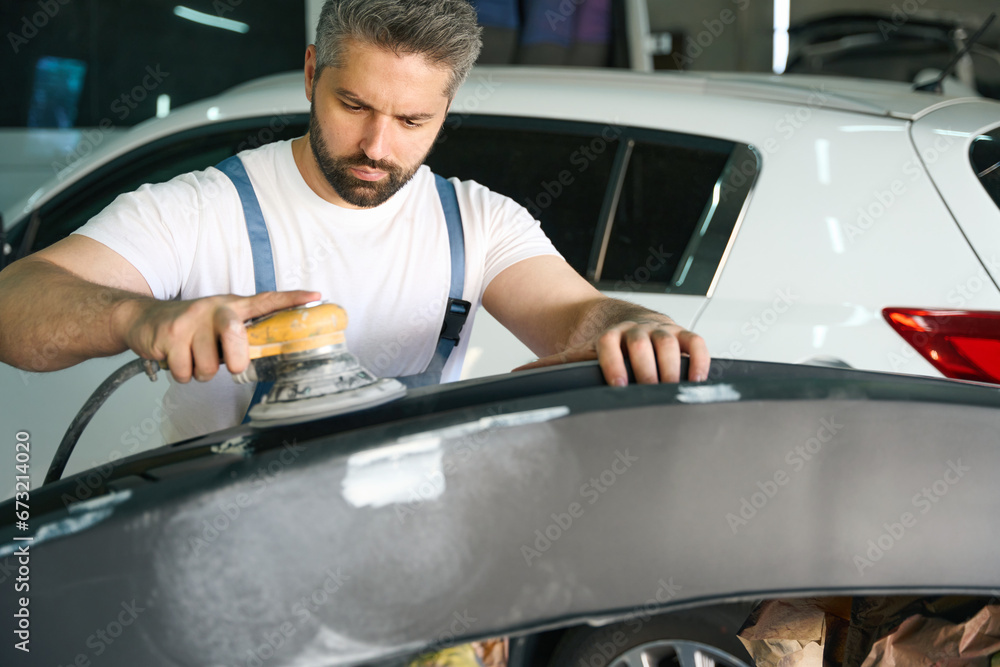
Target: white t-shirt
[[389, 267]]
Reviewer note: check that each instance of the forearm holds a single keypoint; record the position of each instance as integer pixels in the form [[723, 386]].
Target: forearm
[[597, 316], [52, 318]]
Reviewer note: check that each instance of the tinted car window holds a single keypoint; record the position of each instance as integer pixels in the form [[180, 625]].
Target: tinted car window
[[664, 197], [679, 202], [986, 162], [155, 162], [559, 171], [629, 208]]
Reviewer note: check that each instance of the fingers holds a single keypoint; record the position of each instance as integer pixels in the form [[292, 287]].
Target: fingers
[[229, 330], [266, 303], [228, 321], [204, 350], [654, 350], [232, 334], [668, 355], [668, 343], [612, 361], [179, 363], [188, 335], [697, 349]]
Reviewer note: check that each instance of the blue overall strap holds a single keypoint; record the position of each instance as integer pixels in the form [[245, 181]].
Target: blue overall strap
[[260, 246], [260, 241], [456, 310]]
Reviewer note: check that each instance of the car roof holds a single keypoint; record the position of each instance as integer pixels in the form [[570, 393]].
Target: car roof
[[882, 98], [285, 94]]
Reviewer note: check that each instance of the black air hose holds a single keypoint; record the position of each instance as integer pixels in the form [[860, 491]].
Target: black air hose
[[86, 413]]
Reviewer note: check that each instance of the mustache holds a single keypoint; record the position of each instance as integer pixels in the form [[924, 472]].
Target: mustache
[[361, 160]]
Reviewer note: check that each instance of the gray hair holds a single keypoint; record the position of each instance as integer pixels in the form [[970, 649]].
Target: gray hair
[[444, 31]]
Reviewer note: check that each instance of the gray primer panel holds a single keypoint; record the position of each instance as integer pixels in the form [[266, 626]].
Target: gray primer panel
[[407, 575]]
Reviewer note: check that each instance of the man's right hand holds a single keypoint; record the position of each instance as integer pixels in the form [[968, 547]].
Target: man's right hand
[[188, 335], [78, 299]]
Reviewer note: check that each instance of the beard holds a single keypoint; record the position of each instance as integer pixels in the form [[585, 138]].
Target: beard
[[350, 188]]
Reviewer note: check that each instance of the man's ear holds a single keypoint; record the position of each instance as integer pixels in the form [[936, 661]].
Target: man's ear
[[310, 70]]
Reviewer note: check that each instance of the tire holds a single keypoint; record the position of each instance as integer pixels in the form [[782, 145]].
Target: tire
[[694, 638]]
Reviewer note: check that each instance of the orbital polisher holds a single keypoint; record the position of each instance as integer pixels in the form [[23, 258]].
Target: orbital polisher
[[303, 352]]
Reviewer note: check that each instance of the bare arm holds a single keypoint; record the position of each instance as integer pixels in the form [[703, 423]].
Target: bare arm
[[78, 299], [563, 318]]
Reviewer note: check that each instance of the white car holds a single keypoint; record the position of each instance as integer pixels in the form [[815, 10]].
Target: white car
[[778, 217]]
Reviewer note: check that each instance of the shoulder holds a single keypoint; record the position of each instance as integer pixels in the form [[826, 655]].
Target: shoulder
[[266, 156], [265, 163], [184, 191]]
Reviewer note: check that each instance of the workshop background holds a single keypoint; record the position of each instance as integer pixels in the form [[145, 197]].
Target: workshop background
[[831, 242]]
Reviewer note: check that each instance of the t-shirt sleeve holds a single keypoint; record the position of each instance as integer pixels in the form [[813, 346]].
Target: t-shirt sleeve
[[510, 232], [156, 228]]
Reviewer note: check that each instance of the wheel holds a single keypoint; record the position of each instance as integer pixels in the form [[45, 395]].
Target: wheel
[[694, 638]]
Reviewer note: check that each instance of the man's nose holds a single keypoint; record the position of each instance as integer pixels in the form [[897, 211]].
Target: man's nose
[[375, 141]]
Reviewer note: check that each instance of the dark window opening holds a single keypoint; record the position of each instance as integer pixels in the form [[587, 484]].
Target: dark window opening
[[558, 171], [630, 209], [986, 162], [679, 204], [665, 194]]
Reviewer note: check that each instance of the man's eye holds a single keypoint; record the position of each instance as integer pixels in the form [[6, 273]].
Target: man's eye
[[411, 124], [351, 107]]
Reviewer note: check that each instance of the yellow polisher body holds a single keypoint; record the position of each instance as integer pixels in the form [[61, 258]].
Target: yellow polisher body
[[297, 330]]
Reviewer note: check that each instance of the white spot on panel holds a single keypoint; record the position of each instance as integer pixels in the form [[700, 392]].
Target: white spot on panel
[[711, 393]]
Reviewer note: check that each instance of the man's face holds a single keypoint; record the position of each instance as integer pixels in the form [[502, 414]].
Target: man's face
[[374, 120]]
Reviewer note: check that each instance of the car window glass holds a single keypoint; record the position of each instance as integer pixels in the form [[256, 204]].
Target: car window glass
[[679, 202], [558, 171], [156, 162], [986, 162]]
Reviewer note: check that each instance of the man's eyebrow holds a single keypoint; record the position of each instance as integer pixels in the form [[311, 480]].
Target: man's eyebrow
[[351, 97]]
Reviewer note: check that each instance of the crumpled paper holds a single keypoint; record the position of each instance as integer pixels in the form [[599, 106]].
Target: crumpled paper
[[873, 632], [796, 632], [925, 642]]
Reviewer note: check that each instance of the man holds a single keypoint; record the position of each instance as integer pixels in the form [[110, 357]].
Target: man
[[160, 270]]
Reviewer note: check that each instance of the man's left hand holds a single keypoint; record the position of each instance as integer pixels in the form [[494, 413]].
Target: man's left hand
[[654, 347]]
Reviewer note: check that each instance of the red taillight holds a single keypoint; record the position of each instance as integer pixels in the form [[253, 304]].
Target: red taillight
[[962, 344]]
